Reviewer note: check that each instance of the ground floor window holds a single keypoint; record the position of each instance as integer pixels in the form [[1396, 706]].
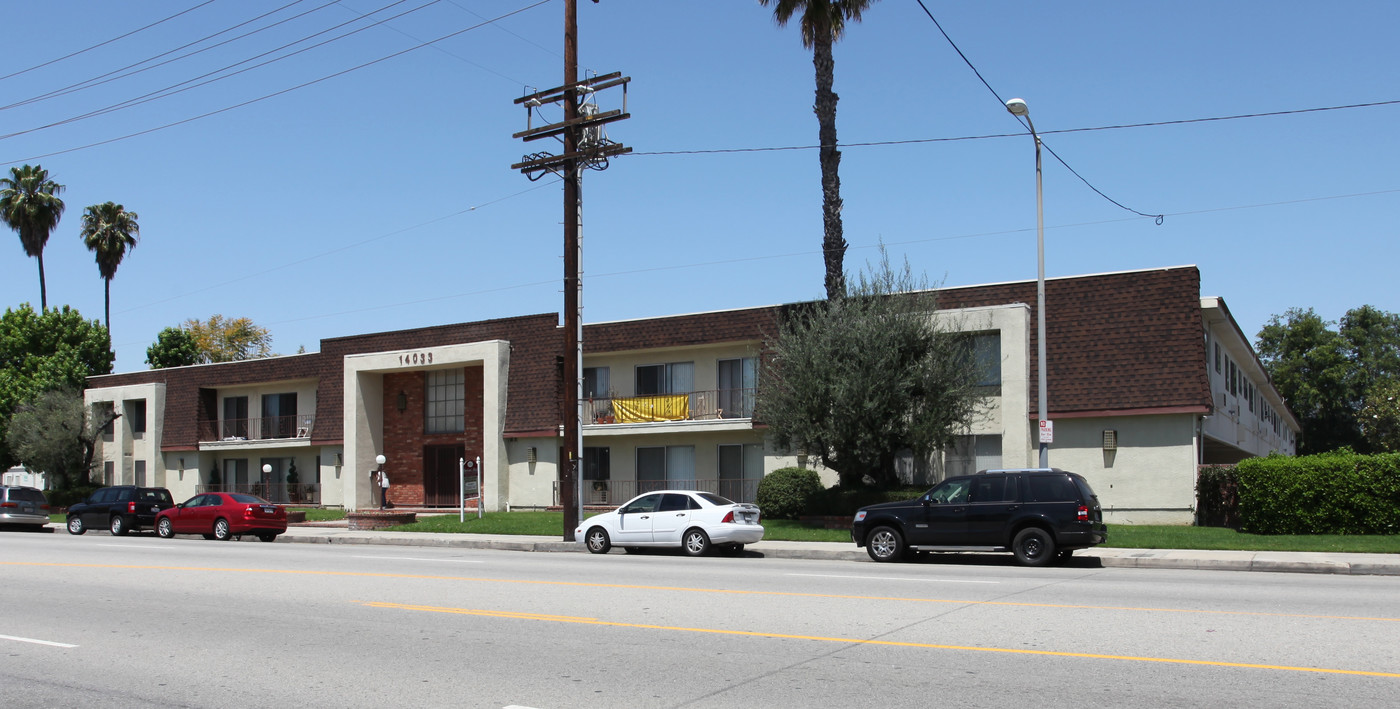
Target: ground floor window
[[969, 454], [664, 464], [739, 468]]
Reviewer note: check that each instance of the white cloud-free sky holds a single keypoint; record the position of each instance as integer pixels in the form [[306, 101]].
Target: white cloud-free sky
[[382, 197]]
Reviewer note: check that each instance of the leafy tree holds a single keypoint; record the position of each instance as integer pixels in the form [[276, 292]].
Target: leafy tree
[[174, 347], [822, 23], [54, 434], [40, 352], [1325, 375], [223, 339], [29, 204], [109, 231], [1380, 417], [854, 380]]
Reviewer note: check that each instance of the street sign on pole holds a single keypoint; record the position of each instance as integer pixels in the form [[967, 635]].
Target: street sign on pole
[[1047, 431]]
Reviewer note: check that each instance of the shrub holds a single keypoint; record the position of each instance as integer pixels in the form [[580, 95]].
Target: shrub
[[1218, 497], [841, 501], [1331, 493], [787, 493]]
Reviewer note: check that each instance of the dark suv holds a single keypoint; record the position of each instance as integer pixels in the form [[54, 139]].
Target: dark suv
[[1038, 514], [122, 509]]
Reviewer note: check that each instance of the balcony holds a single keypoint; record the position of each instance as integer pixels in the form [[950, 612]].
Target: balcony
[[266, 428], [707, 405]]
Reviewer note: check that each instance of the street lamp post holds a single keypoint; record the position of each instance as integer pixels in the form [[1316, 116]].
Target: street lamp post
[[1018, 107]]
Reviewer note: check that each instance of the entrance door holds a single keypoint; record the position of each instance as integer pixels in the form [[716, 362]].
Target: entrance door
[[441, 483]]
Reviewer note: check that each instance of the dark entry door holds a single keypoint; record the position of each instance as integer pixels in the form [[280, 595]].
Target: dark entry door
[[441, 484]]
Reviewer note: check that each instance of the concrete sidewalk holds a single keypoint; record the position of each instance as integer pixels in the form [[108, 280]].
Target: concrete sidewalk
[[1295, 562]]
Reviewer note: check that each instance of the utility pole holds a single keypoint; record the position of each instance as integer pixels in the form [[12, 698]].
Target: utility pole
[[585, 145]]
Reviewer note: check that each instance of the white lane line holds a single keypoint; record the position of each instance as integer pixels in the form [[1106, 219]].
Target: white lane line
[[891, 578], [415, 558], [36, 642]]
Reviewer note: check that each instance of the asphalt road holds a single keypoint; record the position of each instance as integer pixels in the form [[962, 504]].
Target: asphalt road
[[138, 621]]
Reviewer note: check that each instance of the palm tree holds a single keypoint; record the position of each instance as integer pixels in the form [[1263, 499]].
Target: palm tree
[[109, 231], [29, 204], [823, 22]]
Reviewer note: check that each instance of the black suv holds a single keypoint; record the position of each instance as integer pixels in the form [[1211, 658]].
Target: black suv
[[122, 509], [1038, 514]]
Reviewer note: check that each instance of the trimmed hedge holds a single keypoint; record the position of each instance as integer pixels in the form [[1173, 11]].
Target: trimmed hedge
[[844, 501], [1331, 493], [786, 493]]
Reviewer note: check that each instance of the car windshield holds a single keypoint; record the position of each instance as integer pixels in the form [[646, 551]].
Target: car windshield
[[26, 495], [248, 499]]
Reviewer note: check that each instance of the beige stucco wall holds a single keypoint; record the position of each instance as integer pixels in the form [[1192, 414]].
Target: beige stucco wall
[[1150, 479], [126, 448]]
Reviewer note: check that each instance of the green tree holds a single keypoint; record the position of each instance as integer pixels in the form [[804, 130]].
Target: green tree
[[1325, 375], [29, 204], [223, 339], [109, 231], [40, 352], [852, 381], [174, 347], [822, 22], [1380, 417], [55, 434]]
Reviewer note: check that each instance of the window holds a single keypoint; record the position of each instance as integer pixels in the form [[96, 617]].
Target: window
[[445, 402], [279, 415], [235, 472], [141, 473], [597, 463], [738, 378], [994, 488], [659, 465], [1052, 488], [108, 472], [740, 467], [674, 378], [970, 454], [235, 417], [135, 412], [105, 410], [595, 383], [1217, 358], [984, 348]]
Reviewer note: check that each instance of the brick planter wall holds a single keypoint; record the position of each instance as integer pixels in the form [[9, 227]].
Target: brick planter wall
[[379, 520]]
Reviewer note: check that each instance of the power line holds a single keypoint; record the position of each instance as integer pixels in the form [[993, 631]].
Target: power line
[[279, 93], [189, 85], [104, 78], [1002, 102], [102, 44]]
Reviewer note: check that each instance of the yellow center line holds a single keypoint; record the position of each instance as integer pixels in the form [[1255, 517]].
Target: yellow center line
[[685, 589], [861, 641]]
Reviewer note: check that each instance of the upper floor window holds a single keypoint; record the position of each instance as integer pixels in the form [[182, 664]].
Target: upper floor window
[[279, 414], [738, 378], [445, 402], [106, 411], [596, 384], [673, 378], [984, 350], [1217, 358], [236, 417], [135, 412]]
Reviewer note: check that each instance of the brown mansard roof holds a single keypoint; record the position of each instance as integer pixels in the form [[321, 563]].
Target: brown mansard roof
[[1118, 343]]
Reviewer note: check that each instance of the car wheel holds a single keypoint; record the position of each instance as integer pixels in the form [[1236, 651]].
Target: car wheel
[[1033, 546], [165, 529], [884, 544], [597, 540], [696, 542], [75, 525], [267, 536], [222, 531], [118, 526]]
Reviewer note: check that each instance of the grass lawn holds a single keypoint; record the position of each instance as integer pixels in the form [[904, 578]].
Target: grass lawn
[[551, 524]]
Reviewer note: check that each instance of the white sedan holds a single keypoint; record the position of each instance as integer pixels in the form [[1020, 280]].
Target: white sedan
[[694, 521]]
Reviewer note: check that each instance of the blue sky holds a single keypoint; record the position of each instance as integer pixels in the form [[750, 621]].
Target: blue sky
[[383, 198]]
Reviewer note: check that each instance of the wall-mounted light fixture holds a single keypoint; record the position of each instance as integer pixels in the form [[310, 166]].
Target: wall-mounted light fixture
[[403, 401], [530, 455], [1110, 440]]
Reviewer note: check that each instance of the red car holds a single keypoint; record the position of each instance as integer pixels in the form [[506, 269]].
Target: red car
[[222, 516]]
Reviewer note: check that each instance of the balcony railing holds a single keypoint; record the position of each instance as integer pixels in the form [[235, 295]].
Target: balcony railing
[[712, 404], [613, 493], [256, 429], [280, 493]]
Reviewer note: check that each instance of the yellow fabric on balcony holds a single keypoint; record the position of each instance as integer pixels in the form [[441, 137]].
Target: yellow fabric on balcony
[[665, 407]]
